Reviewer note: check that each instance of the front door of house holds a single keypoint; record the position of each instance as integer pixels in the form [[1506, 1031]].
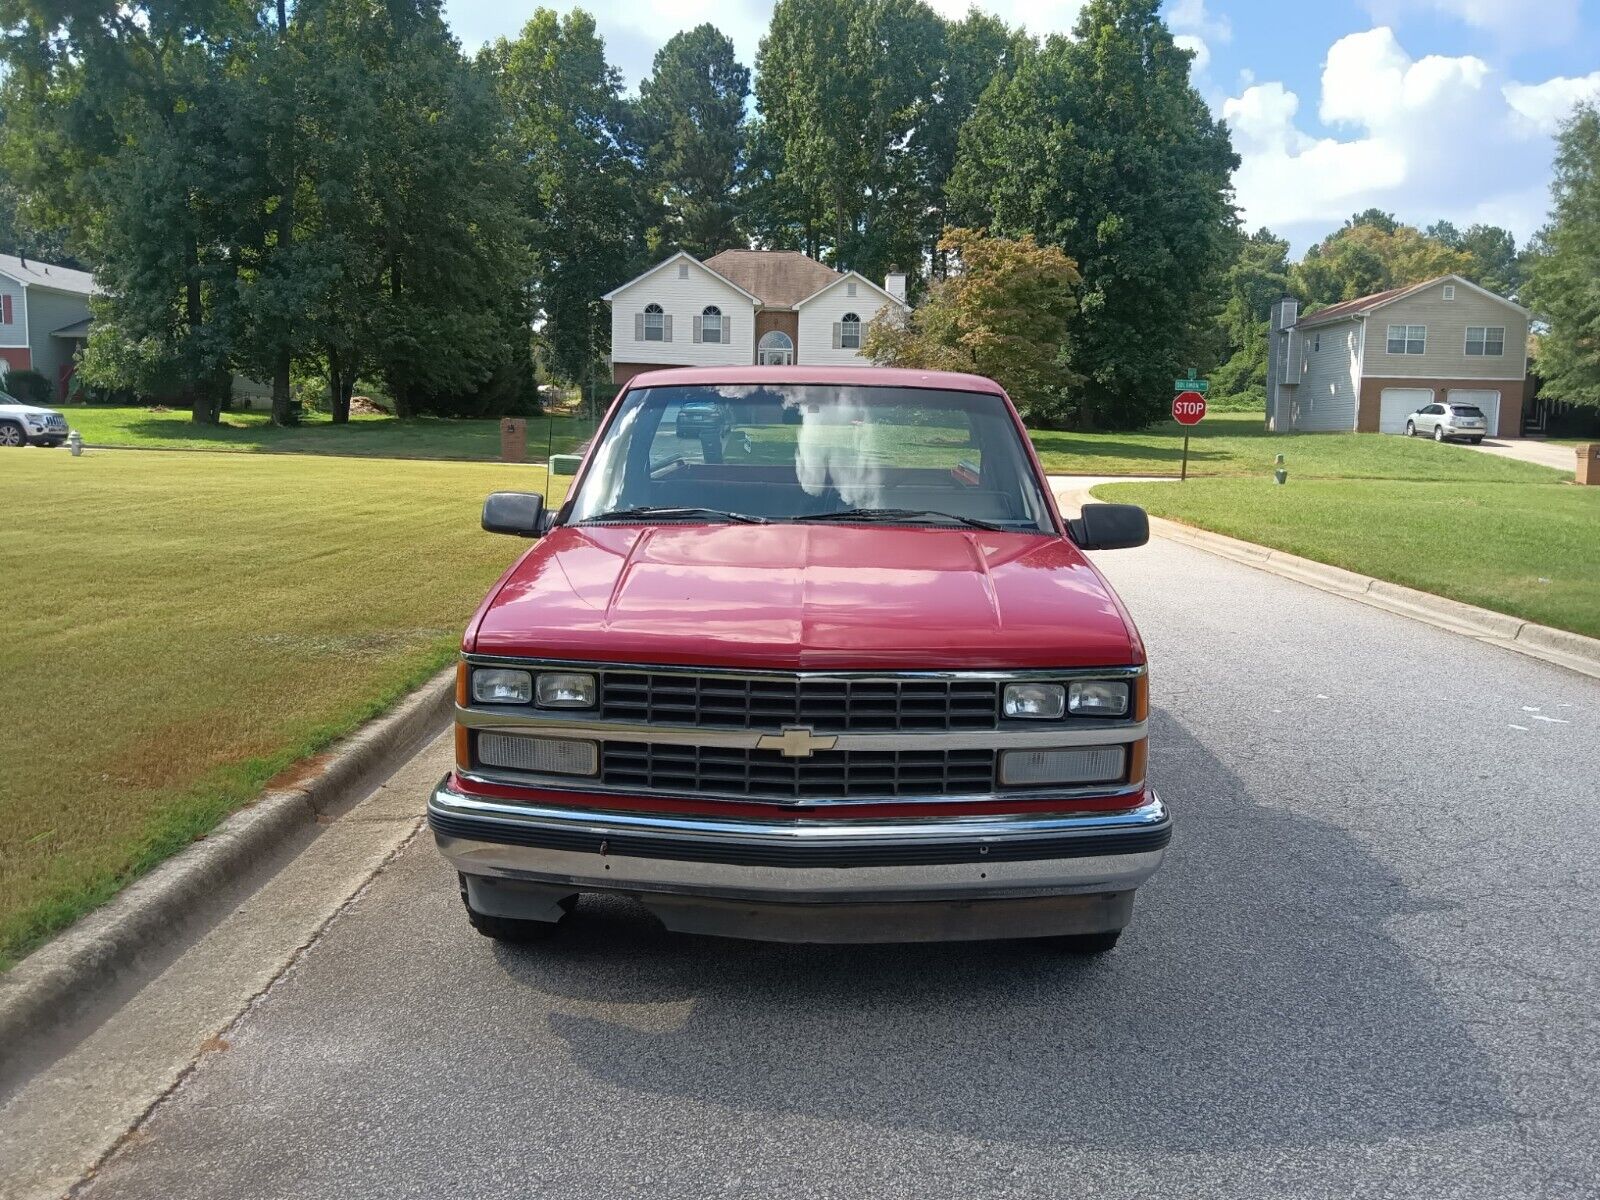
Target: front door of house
[[776, 349]]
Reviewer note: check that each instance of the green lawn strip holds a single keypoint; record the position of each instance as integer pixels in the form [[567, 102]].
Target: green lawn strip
[[1530, 550], [364, 436], [1234, 444], [182, 627]]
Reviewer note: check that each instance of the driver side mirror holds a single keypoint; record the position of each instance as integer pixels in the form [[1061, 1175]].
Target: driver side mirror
[[517, 513], [1110, 527]]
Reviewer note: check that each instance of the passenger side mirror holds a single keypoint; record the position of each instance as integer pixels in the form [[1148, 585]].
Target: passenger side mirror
[[1110, 527], [517, 513]]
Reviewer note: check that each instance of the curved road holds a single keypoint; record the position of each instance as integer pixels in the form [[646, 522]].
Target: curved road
[[1368, 969]]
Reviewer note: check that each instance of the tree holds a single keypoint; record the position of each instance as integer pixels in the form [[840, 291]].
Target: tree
[[691, 118], [1099, 145], [1005, 311], [579, 187], [1561, 282], [843, 90], [1259, 275], [1368, 256], [1496, 263]]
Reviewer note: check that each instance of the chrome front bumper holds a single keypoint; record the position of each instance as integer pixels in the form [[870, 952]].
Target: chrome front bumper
[[1023, 875]]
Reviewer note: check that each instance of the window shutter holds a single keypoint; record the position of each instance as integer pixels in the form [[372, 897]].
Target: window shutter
[[638, 327], [666, 329], [699, 334], [727, 333], [838, 330], [5, 310]]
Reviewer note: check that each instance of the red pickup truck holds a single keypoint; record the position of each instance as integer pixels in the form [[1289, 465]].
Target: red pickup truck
[[828, 668]]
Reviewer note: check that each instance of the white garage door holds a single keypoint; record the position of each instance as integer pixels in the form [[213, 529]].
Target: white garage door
[[1396, 404], [1488, 401]]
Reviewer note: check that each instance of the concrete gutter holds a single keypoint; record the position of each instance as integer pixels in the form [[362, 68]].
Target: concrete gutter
[[82, 969], [1573, 651]]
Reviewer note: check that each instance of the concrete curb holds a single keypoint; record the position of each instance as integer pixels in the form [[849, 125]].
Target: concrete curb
[[1573, 651], [68, 976]]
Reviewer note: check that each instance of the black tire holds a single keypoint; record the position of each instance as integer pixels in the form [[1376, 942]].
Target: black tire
[[1438, 433], [509, 929], [1411, 429], [1474, 441], [1088, 943], [11, 434]]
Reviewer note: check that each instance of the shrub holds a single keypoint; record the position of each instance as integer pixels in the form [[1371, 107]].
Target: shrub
[[31, 387]]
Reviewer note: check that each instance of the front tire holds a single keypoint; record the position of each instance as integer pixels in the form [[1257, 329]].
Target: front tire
[[509, 929], [1411, 429], [1088, 944], [11, 434]]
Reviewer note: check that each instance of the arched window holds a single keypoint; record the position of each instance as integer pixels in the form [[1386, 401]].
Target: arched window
[[850, 332], [711, 324], [655, 323], [776, 349]]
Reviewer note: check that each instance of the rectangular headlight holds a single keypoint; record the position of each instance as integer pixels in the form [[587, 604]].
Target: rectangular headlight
[[541, 755], [496, 686], [1097, 698], [1034, 701], [1096, 764], [565, 689]]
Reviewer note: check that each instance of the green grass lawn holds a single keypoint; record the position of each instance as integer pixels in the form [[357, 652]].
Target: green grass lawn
[[1529, 549], [364, 436], [181, 627], [1237, 444]]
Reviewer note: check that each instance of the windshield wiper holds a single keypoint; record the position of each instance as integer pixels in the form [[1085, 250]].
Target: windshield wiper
[[669, 513], [900, 515]]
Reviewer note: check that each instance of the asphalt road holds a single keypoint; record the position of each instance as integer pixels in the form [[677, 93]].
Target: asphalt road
[[1369, 968]]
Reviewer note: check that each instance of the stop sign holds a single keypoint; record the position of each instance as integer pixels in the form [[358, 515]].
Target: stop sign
[[1188, 408]]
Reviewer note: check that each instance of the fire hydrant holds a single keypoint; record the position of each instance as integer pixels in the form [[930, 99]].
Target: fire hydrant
[[1280, 473], [75, 443]]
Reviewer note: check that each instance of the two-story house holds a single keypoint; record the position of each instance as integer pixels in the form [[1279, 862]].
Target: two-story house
[[1367, 364], [44, 317], [743, 306]]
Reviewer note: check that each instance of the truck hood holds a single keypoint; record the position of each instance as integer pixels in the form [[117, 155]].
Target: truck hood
[[806, 597], [16, 408]]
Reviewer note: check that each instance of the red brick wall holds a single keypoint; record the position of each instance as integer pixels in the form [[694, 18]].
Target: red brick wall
[[17, 358], [622, 372], [1511, 397]]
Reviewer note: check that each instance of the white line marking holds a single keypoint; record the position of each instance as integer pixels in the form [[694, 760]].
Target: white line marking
[[1524, 728]]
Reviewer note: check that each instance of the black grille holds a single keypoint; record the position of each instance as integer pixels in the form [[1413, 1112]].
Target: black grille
[[771, 702], [766, 774]]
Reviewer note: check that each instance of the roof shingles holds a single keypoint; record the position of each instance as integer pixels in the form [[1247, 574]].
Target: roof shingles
[[781, 278]]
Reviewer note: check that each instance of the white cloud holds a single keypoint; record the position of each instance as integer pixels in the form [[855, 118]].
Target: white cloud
[[1196, 45], [1515, 22], [1429, 138], [1545, 105], [1191, 17]]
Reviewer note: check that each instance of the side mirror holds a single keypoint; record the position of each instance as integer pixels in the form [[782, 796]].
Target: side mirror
[[1110, 527], [517, 513]]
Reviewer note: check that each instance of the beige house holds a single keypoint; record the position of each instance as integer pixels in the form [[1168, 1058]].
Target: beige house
[[744, 306], [1369, 363]]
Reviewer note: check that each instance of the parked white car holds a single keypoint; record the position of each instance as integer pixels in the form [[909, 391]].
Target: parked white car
[[1443, 421], [22, 423]]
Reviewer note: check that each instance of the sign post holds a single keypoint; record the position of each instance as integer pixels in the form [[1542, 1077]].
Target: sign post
[[1188, 408]]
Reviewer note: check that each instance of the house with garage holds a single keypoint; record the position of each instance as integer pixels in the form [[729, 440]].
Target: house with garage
[[44, 318], [772, 307], [1367, 364]]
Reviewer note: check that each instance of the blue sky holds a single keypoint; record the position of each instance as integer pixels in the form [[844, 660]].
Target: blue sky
[[1427, 108]]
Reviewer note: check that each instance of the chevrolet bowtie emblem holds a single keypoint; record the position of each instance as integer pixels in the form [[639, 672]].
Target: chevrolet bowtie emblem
[[796, 741]]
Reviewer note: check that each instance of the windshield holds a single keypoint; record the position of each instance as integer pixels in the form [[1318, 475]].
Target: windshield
[[800, 452]]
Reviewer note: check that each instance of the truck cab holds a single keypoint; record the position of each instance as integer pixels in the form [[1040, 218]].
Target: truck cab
[[837, 673]]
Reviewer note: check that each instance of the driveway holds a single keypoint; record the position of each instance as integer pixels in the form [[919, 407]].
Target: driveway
[[1545, 454], [1367, 969]]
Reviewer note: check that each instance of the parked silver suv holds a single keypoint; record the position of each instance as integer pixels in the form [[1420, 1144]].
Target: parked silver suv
[[1449, 421], [23, 423]]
